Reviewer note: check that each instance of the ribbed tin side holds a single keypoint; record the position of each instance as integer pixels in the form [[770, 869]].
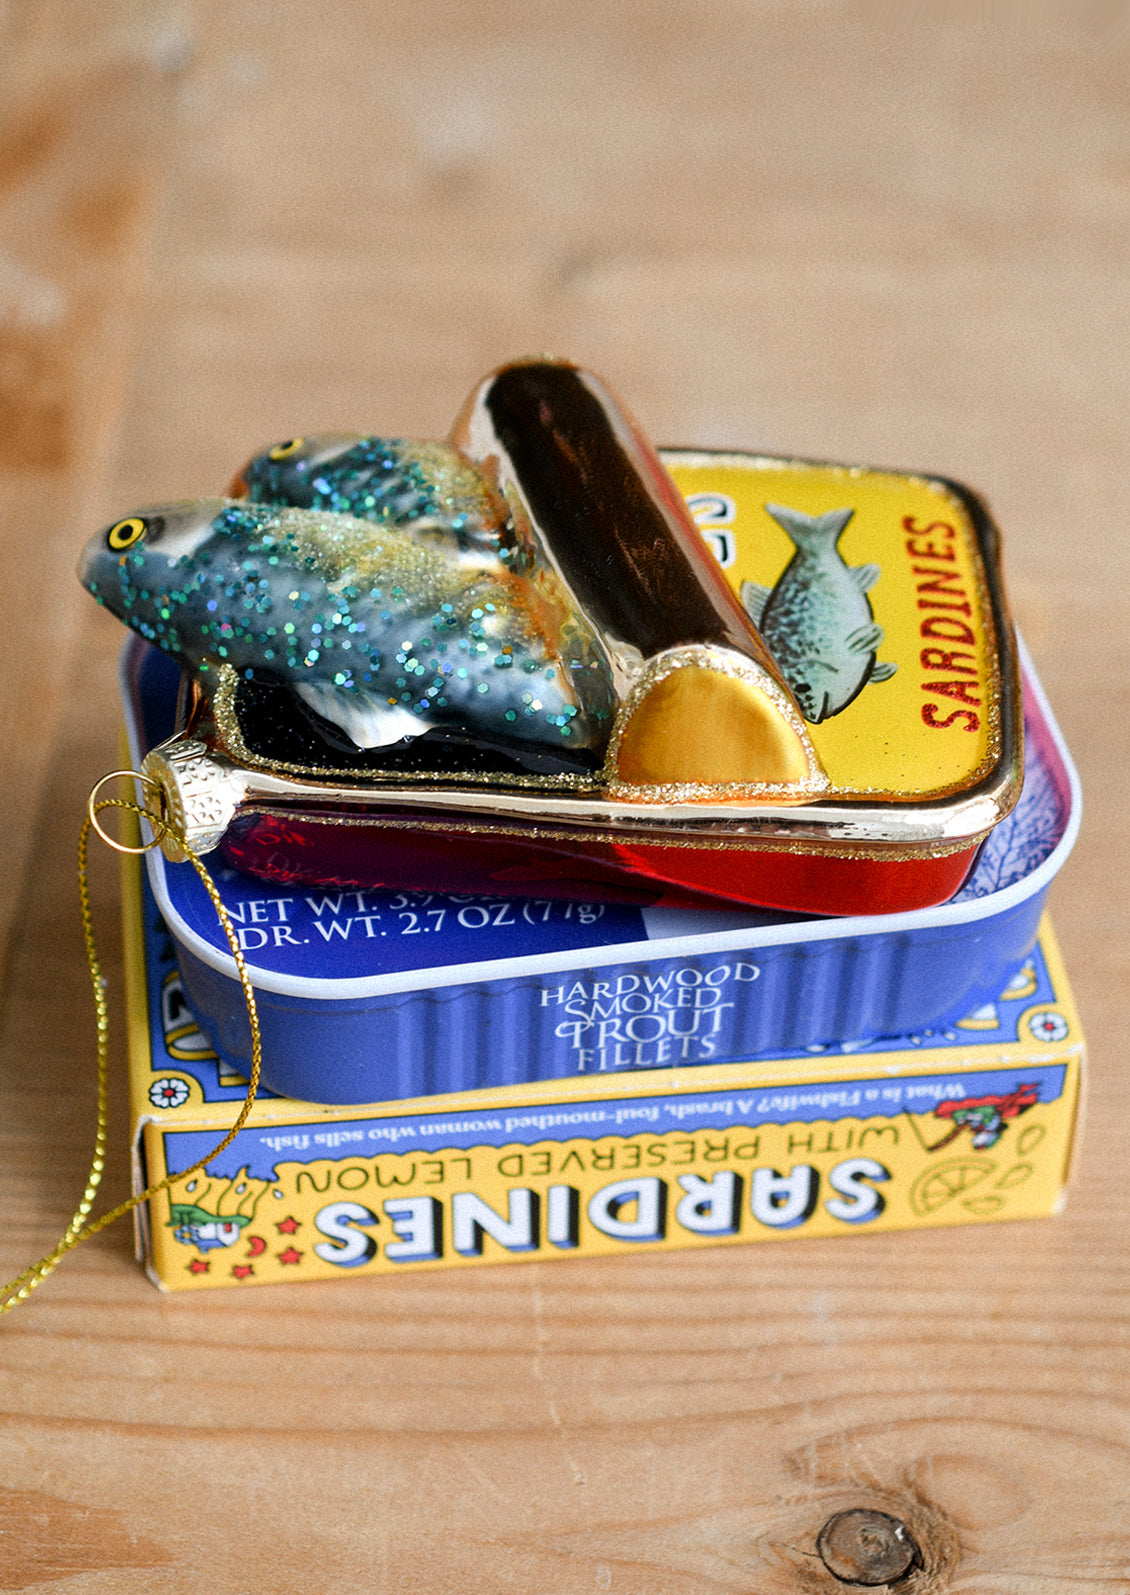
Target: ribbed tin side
[[616, 1018]]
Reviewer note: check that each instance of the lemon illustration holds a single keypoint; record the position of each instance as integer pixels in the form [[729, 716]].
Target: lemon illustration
[[1030, 1138], [948, 1181], [1016, 1175]]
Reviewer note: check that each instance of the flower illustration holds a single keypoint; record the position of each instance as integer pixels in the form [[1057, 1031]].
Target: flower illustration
[[170, 1091]]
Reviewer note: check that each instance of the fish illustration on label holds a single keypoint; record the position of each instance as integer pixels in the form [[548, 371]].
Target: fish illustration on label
[[817, 621]]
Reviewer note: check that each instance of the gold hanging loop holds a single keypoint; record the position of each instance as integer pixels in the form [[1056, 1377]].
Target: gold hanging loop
[[94, 807], [79, 1229]]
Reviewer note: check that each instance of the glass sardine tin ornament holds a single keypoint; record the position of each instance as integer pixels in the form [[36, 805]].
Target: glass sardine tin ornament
[[543, 659]]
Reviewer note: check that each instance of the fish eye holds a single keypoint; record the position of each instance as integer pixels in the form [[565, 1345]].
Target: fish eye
[[283, 451], [124, 534]]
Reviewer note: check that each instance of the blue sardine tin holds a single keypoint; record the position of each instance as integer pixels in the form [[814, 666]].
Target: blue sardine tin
[[371, 995]]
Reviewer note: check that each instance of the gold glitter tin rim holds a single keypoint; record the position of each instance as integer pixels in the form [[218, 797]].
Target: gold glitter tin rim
[[938, 825], [892, 852], [232, 745], [849, 826]]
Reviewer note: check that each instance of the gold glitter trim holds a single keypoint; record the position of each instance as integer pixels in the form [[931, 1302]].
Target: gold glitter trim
[[890, 853], [230, 738]]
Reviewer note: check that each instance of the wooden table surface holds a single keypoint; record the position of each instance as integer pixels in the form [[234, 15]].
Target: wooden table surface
[[878, 232]]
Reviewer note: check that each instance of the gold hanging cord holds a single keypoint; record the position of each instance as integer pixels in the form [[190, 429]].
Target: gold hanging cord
[[79, 1229]]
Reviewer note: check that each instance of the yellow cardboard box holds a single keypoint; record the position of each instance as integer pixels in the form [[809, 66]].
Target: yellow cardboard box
[[965, 1126]]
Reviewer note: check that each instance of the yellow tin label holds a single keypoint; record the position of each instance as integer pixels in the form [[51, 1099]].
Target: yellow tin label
[[869, 588]]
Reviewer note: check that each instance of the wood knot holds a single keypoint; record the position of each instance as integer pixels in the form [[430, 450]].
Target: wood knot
[[867, 1547]]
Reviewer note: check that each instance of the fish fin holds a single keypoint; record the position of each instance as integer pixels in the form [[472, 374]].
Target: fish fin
[[865, 576], [882, 671], [865, 640], [368, 721], [754, 599], [805, 530]]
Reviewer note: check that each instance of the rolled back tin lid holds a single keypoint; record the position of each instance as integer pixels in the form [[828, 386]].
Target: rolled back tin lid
[[702, 708], [832, 566]]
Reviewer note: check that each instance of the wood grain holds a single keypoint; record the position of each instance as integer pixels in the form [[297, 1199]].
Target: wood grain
[[890, 233], [79, 140]]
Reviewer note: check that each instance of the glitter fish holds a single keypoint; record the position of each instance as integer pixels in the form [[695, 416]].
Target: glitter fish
[[817, 620], [382, 629], [431, 487]]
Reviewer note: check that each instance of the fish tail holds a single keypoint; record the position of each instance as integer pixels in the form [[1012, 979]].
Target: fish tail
[[811, 533]]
